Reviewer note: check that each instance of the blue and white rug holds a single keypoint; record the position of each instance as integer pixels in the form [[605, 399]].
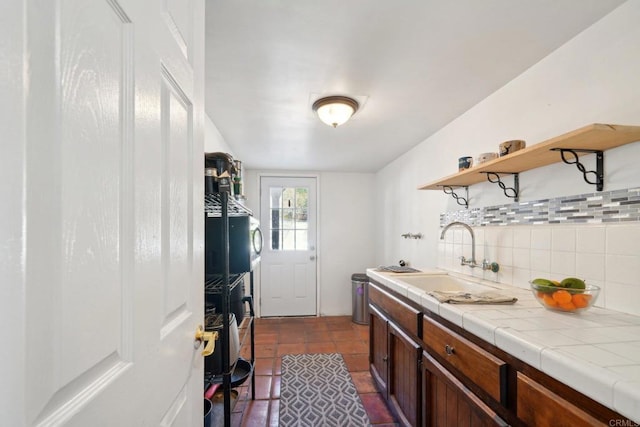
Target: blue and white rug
[[316, 390]]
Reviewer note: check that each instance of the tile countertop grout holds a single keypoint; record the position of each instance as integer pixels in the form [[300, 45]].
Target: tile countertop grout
[[595, 352]]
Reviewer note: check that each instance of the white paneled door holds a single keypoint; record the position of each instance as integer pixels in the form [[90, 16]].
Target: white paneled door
[[288, 260], [101, 224]]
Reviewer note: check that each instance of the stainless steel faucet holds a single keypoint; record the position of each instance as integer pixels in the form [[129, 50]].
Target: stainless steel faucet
[[486, 265]]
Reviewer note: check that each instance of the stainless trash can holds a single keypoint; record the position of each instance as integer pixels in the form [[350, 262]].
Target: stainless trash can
[[360, 298]]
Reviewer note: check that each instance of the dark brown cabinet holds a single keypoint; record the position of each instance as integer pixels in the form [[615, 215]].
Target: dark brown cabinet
[[539, 406], [378, 348], [449, 403], [433, 373], [404, 391], [394, 354]]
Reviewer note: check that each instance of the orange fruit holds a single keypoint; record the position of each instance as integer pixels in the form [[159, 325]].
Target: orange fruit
[[567, 306], [540, 294], [548, 300], [562, 297], [580, 301]]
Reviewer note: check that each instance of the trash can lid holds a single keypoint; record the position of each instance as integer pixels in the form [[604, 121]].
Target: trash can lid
[[360, 277]]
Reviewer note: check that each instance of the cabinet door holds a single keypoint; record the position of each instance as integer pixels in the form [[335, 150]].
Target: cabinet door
[[378, 348], [539, 406], [448, 403], [404, 376]]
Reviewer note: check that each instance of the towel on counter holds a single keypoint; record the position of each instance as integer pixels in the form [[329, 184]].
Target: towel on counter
[[461, 297]]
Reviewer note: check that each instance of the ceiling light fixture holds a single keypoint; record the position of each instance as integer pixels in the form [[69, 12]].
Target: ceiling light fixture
[[335, 110]]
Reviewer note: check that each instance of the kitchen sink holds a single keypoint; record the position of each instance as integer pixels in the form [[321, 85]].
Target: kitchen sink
[[420, 273], [445, 282]]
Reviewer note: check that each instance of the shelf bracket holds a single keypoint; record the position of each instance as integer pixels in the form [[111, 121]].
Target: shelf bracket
[[462, 201], [510, 192], [591, 177]]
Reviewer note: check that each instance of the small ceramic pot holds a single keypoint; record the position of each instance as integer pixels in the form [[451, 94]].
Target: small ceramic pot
[[485, 157], [509, 147], [465, 163]]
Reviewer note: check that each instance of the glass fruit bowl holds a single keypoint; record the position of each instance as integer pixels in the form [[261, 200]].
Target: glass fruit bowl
[[554, 296]]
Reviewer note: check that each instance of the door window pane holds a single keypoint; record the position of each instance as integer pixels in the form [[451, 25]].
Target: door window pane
[[289, 211]]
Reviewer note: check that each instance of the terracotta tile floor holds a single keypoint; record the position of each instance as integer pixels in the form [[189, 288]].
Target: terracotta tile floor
[[279, 336]]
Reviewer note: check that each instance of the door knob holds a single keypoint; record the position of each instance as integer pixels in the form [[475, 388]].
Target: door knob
[[209, 337]]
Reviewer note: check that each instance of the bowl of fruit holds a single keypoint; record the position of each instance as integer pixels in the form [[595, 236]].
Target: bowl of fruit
[[571, 295]]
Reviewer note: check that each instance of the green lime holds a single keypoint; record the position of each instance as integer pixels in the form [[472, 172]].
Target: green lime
[[572, 283], [546, 285]]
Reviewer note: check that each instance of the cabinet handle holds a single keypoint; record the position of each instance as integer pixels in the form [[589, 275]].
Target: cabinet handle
[[385, 358], [449, 350]]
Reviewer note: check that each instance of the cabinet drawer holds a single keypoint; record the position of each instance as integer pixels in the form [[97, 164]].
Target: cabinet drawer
[[539, 406], [401, 313], [481, 367]]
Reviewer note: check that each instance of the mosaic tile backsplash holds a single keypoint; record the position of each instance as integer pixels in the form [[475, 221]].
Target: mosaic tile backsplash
[[592, 236], [592, 208]]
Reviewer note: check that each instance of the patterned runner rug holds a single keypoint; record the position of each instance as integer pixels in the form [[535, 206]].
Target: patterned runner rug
[[316, 390]]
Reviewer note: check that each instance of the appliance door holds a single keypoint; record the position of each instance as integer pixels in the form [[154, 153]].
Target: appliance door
[[256, 241], [239, 245]]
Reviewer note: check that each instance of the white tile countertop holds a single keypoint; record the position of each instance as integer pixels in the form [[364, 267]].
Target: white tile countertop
[[596, 352]]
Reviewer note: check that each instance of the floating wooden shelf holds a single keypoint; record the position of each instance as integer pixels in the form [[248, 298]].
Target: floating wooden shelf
[[598, 137]]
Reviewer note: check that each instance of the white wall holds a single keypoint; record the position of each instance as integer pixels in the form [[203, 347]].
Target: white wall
[[591, 79], [346, 236], [213, 140], [346, 232]]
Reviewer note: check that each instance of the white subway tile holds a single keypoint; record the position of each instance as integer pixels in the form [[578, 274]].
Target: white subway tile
[[563, 239], [594, 381], [550, 339], [520, 345], [623, 269], [479, 232], [608, 334], [623, 239], [623, 297], [628, 350], [504, 256], [521, 277], [591, 239], [563, 264], [590, 266], [630, 372], [597, 355], [521, 258], [541, 238], [504, 275], [540, 260], [626, 398], [499, 236], [522, 237], [480, 253]]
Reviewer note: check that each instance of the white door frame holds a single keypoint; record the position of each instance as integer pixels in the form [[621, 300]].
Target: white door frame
[[258, 288]]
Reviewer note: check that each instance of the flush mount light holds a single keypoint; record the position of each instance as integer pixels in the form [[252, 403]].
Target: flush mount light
[[335, 110]]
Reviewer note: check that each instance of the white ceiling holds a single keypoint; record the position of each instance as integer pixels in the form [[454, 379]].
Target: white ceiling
[[416, 64]]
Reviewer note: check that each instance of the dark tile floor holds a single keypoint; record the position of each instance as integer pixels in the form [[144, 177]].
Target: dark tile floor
[[276, 337]]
